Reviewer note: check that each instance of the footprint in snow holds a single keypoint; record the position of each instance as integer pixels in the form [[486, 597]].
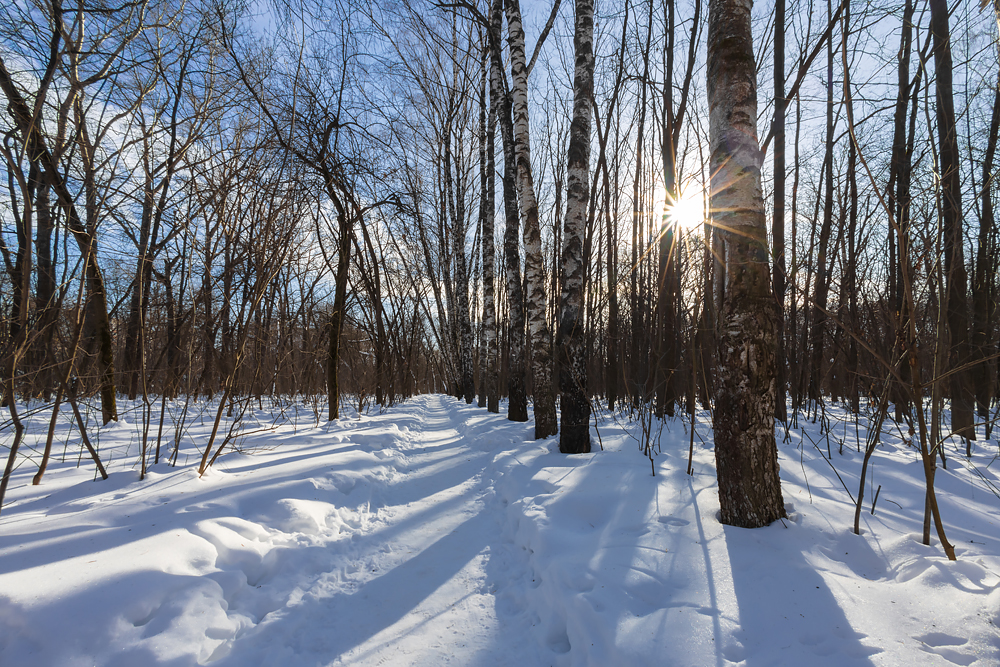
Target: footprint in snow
[[673, 521]]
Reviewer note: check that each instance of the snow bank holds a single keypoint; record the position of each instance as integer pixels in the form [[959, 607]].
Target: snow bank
[[631, 569]]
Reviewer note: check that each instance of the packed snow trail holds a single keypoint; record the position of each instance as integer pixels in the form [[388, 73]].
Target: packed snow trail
[[364, 541], [437, 533], [413, 585]]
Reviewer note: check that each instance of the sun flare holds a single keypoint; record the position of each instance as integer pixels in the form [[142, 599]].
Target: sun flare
[[688, 211]]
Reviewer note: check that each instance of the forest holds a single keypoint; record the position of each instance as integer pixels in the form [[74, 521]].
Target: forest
[[357, 202], [305, 303]]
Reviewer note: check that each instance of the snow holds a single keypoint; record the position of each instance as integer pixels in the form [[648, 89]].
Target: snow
[[436, 533]]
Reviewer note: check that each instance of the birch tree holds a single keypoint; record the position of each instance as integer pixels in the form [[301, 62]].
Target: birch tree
[[575, 401], [487, 157], [745, 451], [534, 265]]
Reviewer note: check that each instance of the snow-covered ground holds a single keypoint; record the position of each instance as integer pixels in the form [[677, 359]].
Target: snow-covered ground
[[437, 533]]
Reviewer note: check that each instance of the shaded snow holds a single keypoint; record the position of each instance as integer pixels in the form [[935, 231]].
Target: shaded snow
[[437, 533]]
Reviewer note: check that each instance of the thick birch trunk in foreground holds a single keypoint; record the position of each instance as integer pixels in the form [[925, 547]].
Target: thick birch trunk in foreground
[[517, 404], [745, 451], [575, 402], [534, 265]]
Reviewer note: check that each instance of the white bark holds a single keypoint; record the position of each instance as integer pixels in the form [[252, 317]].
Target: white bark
[[745, 450], [575, 399], [538, 328]]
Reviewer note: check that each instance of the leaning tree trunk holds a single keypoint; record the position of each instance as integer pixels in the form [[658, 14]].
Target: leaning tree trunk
[[575, 402], [951, 224], [534, 265], [745, 451]]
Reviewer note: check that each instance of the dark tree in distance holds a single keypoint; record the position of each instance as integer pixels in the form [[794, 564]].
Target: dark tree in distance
[[951, 224]]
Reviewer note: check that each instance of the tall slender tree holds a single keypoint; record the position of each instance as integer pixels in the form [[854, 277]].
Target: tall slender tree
[[956, 274], [534, 264], [778, 226], [487, 155], [575, 400]]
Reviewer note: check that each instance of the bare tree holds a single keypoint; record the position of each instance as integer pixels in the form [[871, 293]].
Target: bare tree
[[956, 273], [745, 451], [538, 328], [575, 399]]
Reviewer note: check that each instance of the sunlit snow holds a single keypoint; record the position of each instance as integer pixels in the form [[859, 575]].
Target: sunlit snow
[[436, 533]]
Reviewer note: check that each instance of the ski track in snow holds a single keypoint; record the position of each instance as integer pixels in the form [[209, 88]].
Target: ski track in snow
[[437, 533]]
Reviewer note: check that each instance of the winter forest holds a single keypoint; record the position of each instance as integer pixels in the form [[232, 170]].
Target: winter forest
[[330, 290]]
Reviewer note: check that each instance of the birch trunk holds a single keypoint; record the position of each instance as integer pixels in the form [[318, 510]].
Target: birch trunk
[[517, 408], [534, 265], [575, 402], [459, 302], [745, 451], [487, 214]]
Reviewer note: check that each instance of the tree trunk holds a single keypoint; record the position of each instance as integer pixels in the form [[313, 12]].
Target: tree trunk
[[822, 280], [488, 157], [45, 294], [851, 273], [337, 317], [575, 399], [639, 362], [898, 194], [951, 224], [778, 226], [517, 408], [534, 264], [745, 451], [983, 282]]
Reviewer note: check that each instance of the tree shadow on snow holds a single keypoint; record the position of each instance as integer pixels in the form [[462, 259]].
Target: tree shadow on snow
[[332, 627], [787, 612]]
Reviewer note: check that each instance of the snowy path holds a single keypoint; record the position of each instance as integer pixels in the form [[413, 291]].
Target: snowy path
[[413, 586], [437, 533], [371, 542]]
